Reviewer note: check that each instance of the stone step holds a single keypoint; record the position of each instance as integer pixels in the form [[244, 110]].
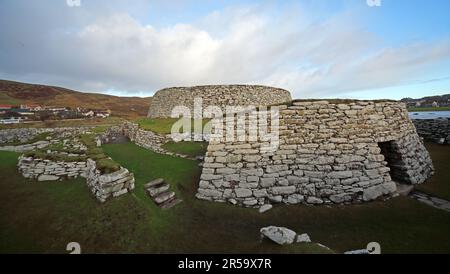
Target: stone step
[[155, 190], [154, 183], [163, 197], [170, 203]]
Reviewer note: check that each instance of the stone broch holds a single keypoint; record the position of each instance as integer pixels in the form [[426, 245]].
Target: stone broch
[[330, 152]]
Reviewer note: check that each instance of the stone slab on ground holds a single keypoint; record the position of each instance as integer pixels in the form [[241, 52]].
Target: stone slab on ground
[[431, 201], [279, 235]]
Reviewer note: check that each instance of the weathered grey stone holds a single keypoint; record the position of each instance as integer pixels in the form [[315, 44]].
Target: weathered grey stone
[[210, 193], [279, 235], [340, 174], [47, 178], [243, 192], [374, 192], [281, 190], [314, 201], [265, 208], [303, 238], [267, 182]]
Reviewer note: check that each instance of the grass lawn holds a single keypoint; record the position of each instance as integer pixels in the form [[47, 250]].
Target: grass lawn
[[419, 109], [44, 217], [439, 184], [164, 125], [187, 148]]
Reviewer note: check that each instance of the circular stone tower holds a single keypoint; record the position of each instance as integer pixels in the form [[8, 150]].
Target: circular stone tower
[[216, 95]]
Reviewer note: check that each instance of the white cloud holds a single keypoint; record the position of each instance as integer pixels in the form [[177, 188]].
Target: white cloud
[[287, 49]]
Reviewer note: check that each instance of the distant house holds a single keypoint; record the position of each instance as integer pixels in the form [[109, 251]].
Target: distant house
[[88, 113], [6, 107], [102, 113], [32, 107], [435, 104], [96, 113], [55, 109]]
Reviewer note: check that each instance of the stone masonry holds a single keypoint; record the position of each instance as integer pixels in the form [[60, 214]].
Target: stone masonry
[[218, 95], [330, 152], [436, 130], [46, 170], [105, 186]]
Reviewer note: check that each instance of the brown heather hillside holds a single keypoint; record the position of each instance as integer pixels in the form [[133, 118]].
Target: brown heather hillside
[[16, 93]]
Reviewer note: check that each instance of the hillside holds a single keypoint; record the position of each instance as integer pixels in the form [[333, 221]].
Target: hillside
[[22, 93], [442, 100]]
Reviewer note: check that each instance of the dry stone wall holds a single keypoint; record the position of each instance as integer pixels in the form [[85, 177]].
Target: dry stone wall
[[220, 95], [330, 152], [26, 134], [143, 138], [146, 139], [105, 186], [436, 130], [46, 170], [27, 147]]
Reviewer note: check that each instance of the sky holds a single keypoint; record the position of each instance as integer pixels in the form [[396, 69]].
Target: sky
[[362, 49]]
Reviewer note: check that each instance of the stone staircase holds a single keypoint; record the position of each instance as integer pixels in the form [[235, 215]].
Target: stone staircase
[[159, 192]]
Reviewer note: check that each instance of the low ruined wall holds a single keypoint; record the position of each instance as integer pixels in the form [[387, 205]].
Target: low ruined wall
[[330, 152], [19, 134], [46, 170], [26, 134], [26, 147], [144, 138], [436, 130], [221, 95], [105, 186]]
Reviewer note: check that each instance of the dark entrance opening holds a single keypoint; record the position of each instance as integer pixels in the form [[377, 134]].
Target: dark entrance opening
[[394, 161]]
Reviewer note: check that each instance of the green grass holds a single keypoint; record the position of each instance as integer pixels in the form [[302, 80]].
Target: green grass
[[420, 109], [439, 184], [187, 148], [45, 216], [164, 125], [103, 163]]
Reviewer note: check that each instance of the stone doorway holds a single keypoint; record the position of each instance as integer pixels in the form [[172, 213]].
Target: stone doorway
[[393, 157]]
